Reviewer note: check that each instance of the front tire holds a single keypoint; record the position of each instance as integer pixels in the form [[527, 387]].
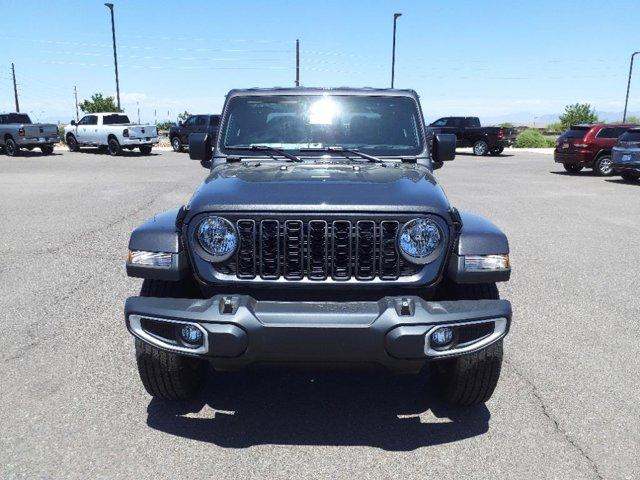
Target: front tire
[[114, 147], [572, 167], [72, 143], [176, 144], [145, 149], [11, 147], [480, 148], [603, 166], [166, 375], [47, 149], [471, 378]]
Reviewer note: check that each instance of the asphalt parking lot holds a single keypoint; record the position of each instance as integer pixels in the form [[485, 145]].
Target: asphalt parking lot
[[72, 406]]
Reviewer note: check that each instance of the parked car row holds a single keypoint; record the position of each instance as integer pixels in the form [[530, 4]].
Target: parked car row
[[469, 133], [607, 149]]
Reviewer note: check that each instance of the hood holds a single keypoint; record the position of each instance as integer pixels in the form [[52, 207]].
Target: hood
[[319, 187]]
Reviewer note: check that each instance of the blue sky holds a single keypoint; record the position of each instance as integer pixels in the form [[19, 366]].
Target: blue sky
[[495, 59]]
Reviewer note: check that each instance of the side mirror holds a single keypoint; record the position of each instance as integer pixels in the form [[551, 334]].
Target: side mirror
[[200, 147], [73, 123], [444, 147], [179, 123]]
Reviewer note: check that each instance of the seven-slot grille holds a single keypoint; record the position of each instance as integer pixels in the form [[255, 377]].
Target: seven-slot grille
[[317, 249]]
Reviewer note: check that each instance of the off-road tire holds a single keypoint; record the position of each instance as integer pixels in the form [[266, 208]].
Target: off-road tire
[[11, 148], [47, 149], [630, 177], [572, 167], [471, 378], [72, 143], [145, 149], [603, 166], [176, 144], [480, 148], [166, 375], [114, 147]]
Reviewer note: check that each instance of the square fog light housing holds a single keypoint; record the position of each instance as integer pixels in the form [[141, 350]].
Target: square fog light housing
[[480, 263], [149, 259]]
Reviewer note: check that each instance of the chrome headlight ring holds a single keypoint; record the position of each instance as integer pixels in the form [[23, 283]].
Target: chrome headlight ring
[[421, 240], [217, 238]]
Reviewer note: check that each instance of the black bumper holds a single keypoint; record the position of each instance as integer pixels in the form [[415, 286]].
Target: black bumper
[[626, 167], [393, 331]]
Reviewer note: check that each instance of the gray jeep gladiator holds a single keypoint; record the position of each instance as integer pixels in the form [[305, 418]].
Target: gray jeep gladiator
[[320, 236], [17, 131]]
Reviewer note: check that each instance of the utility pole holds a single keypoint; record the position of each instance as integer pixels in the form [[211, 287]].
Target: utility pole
[[138, 105], [75, 94], [15, 87], [393, 53], [297, 62], [626, 100], [115, 55]]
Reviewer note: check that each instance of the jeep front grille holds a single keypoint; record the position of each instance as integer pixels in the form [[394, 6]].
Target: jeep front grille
[[318, 249]]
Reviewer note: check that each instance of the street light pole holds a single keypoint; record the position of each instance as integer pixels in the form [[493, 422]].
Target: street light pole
[[393, 54], [626, 100], [115, 55]]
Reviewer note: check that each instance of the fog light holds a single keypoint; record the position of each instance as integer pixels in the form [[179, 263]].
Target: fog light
[[442, 337], [191, 334]]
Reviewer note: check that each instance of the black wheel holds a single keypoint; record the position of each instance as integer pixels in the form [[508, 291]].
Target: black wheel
[[572, 167], [603, 166], [114, 147], [176, 144], [11, 148], [496, 151], [480, 148], [145, 149], [471, 378], [166, 375], [72, 143], [46, 149], [630, 177]]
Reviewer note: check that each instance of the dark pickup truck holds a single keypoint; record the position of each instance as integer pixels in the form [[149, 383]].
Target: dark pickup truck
[[469, 133], [179, 134]]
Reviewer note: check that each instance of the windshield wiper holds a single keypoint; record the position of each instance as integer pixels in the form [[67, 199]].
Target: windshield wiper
[[345, 152], [265, 148]]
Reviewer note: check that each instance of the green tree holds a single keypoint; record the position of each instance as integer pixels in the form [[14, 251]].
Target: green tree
[[578, 113], [99, 103], [183, 116], [555, 127], [506, 125], [632, 119], [164, 125]]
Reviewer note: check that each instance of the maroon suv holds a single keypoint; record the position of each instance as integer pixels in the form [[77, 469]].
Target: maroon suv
[[588, 146]]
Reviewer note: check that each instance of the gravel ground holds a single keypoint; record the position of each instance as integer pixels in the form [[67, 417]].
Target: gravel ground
[[71, 404]]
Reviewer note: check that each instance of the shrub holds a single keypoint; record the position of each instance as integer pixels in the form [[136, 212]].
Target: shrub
[[165, 125], [531, 139], [555, 128], [61, 133]]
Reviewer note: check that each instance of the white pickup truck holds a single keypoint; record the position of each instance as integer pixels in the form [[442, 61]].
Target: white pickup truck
[[111, 130]]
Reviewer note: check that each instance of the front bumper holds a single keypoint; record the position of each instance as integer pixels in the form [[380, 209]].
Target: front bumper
[[394, 331]]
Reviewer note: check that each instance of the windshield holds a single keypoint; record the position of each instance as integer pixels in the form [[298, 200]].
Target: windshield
[[115, 119], [375, 125]]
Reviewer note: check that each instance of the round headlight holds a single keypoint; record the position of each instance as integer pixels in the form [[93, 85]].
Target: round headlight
[[217, 237], [419, 238]]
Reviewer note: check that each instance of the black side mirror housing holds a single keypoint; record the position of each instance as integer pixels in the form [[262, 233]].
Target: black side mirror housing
[[180, 123], [444, 147], [200, 147], [73, 123]]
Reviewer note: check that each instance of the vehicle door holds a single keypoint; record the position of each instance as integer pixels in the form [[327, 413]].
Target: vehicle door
[[608, 136], [86, 129], [455, 125], [188, 127]]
